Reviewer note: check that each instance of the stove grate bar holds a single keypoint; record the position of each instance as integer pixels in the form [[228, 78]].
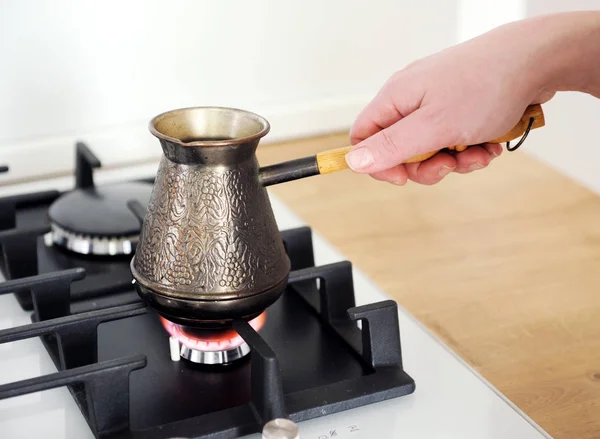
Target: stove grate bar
[[335, 294], [331, 298], [298, 246], [50, 293], [335, 302], [85, 162], [31, 199], [380, 333], [267, 398], [106, 388], [77, 334], [20, 257], [9, 205], [8, 214]]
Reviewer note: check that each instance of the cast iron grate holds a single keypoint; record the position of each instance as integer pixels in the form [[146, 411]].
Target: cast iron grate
[[309, 360], [105, 389]]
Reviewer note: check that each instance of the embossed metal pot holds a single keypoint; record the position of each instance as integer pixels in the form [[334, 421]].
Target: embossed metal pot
[[210, 250]]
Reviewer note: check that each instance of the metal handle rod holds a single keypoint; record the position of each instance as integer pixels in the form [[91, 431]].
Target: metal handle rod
[[289, 170]]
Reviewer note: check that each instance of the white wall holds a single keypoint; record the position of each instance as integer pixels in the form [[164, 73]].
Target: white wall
[[476, 17], [569, 142], [99, 70]]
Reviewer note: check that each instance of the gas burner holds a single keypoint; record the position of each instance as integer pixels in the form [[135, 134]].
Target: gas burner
[[208, 346], [93, 220], [98, 221]]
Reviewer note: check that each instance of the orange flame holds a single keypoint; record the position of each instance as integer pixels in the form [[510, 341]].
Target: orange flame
[[212, 341]]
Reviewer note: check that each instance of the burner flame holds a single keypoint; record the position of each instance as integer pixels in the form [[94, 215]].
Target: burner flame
[[207, 340]]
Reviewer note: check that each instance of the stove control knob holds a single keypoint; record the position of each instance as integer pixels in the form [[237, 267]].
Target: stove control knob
[[280, 429]]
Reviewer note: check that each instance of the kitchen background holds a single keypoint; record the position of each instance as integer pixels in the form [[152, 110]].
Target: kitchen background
[[520, 306], [98, 71]]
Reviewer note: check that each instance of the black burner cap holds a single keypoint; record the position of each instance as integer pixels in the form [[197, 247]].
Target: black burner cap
[[101, 211]]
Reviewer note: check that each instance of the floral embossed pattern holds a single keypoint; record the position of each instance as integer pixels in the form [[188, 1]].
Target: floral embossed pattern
[[209, 232]]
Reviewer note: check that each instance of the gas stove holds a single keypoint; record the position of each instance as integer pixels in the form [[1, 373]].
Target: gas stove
[[81, 355]]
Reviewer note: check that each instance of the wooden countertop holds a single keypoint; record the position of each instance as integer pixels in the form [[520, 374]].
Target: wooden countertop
[[503, 265]]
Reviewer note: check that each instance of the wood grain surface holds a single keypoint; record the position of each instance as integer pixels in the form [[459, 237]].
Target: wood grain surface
[[503, 265]]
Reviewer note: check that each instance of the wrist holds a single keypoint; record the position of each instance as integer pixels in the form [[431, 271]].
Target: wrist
[[565, 53]]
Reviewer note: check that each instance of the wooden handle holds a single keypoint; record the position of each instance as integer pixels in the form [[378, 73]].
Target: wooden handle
[[335, 159]]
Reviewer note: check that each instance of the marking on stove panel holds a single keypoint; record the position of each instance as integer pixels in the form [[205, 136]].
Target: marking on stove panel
[[339, 433]]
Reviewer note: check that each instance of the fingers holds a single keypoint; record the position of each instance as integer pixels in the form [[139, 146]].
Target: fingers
[[433, 170], [396, 175], [475, 158], [494, 149], [379, 114], [399, 97], [420, 132]]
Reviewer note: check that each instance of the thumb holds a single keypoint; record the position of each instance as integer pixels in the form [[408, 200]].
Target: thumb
[[415, 134]]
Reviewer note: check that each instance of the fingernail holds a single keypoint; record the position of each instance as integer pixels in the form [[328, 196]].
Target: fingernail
[[445, 170], [359, 159], [476, 166]]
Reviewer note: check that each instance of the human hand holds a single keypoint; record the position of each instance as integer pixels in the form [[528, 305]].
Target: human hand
[[464, 95]]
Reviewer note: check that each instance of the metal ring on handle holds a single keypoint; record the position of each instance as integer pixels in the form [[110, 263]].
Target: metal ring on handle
[[508, 147]]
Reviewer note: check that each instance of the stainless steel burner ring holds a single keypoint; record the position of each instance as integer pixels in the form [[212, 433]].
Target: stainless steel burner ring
[[217, 357], [178, 350], [90, 245]]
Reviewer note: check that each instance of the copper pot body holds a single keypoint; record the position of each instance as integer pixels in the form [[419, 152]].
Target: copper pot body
[[210, 250]]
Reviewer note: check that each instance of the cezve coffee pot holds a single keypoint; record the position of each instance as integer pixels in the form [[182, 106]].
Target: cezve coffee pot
[[210, 250]]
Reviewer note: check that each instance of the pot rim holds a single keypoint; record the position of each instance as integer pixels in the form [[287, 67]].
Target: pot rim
[[211, 143]]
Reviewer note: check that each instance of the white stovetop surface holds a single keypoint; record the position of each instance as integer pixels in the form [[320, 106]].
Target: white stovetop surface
[[451, 401]]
